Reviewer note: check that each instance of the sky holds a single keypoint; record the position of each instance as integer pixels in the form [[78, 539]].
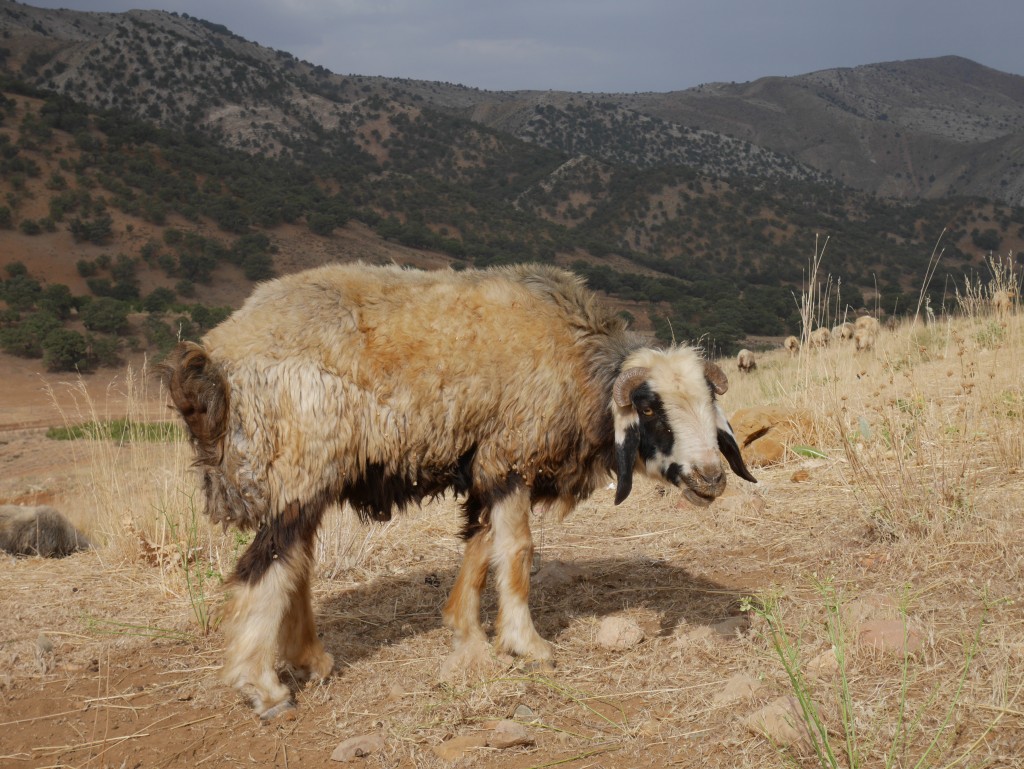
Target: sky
[[608, 45]]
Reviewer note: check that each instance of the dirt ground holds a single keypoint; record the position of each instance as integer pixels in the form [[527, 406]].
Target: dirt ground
[[104, 662]]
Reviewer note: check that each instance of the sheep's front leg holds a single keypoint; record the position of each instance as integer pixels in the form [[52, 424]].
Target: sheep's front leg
[[272, 588], [512, 556], [462, 611], [300, 648]]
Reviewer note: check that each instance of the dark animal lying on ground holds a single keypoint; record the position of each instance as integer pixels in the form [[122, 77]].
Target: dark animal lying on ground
[[38, 531], [380, 387]]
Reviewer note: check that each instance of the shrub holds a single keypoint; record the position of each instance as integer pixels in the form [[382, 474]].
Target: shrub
[[158, 300], [106, 315], [25, 339], [104, 351], [64, 350]]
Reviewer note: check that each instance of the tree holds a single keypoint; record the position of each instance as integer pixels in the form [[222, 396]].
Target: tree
[[25, 339], [57, 299], [105, 315], [64, 350], [21, 292]]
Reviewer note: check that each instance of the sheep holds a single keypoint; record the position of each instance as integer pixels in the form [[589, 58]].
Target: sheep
[[843, 331], [382, 386], [1002, 302], [745, 361], [40, 531], [820, 337], [791, 345], [865, 333]]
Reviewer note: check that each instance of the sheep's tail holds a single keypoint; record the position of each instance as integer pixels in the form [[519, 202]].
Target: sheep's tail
[[199, 392]]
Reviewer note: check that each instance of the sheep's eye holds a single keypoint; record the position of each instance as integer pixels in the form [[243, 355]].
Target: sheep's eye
[[647, 411]]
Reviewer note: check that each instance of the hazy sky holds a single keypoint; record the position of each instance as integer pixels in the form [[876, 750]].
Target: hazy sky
[[608, 45]]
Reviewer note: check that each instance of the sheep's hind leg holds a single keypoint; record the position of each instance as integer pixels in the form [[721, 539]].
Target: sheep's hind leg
[[512, 555], [271, 574], [462, 611]]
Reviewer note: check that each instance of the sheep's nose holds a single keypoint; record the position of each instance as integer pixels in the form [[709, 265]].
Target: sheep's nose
[[710, 475]]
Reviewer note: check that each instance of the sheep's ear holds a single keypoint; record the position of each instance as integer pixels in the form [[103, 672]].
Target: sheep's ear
[[625, 452], [729, 448]]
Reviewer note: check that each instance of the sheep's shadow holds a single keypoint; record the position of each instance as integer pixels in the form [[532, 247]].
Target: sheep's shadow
[[356, 622]]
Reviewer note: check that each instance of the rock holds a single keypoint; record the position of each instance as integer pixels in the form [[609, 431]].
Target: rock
[[396, 692], [39, 530], [524, 713], [557, 574], [800, 476], [741, 687], [872, 606], [764, 433], [823, 664], [508, 734], [619, 633], [358, 747], [732, 627], [456, 747], [781, 721], [890, 636]]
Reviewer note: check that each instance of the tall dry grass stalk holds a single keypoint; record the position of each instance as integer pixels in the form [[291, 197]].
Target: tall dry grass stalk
[[143, 498]]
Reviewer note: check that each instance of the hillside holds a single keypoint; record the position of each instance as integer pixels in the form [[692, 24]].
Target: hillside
[[169, 151]]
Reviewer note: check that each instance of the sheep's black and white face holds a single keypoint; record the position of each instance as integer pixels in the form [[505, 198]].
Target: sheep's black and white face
[[668, 423]]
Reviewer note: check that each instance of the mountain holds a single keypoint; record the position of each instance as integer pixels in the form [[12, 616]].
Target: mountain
[[148, 153], [923, 128]]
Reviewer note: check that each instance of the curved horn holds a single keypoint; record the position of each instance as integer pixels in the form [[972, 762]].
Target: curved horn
[[716, 377], [626, 383]]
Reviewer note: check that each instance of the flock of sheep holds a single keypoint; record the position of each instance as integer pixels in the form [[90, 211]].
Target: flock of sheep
[[863, 331]]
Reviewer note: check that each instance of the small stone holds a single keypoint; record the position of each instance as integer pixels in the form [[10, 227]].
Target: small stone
[[508, 734], [43, 644], [823, 664], [524, 713], [800, 476], [781, 721], [396, 692], [890, 635], [456, 747], [741, 687], [557, 574], [619, 633], [732, 627], [358, 747]]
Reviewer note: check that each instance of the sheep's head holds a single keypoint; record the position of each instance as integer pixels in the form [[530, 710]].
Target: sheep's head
[[668, 423]]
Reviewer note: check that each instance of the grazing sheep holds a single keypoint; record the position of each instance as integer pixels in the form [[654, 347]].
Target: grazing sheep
[[843, 331], [865, 333], [1002, 302], [380, 387], [820, 337], [745, 361], [791, 345], [40, 531]]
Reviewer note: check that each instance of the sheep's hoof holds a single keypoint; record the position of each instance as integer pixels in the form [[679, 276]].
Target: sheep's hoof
[[468, 659], [538, 666], [273, 712]]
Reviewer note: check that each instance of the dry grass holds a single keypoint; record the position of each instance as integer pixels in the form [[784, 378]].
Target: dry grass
[[916, 501]]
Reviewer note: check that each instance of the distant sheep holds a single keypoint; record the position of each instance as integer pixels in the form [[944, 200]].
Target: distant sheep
[[865, 333], [38, 531], [791, 345], [1002, 302], [381, 387], [843, 331], [745, 361], [820, 337]]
